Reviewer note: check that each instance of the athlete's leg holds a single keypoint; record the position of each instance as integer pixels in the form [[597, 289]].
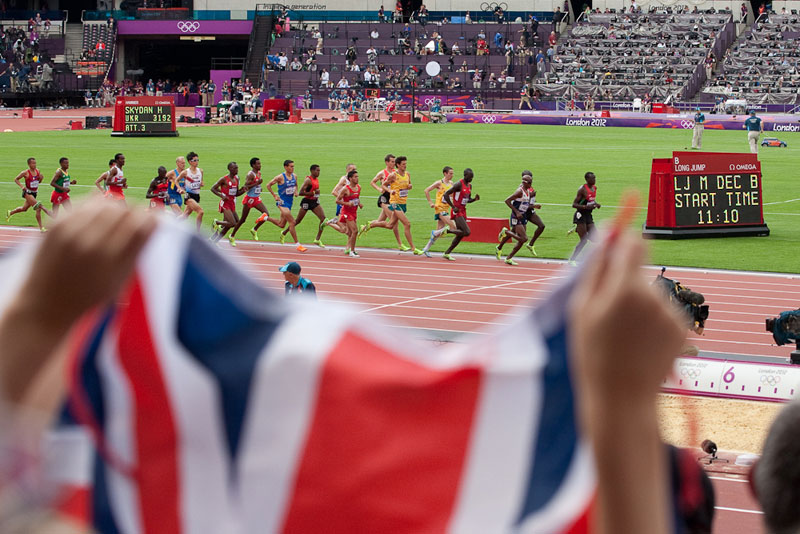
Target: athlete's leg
[[245, 212], [300, 216], [28, 202], [264, 217], [320, 213], [352, 234], [287, 218], [229, 220], [67, 203], [193, 207], [461, 231], [521, 237], [535, 219], [583, 234]]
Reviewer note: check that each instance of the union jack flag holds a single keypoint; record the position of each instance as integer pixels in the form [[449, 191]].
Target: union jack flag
[[215, 406]]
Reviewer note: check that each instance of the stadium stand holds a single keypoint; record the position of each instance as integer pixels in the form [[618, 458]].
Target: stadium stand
[[26, 52], [473, 57], [762, 65], [630, 55]]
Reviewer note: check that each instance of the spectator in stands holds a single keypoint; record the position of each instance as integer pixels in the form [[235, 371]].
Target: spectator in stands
[[467, 18], [47, 26], [342, 83], [324, 79], [423, 15], [455, 49], [398, 11], [476, 79], [87, 97], [588, 104], [283, 61], [374, 34], [483, 46], [381, 15], [307, 100], [295, 65], [151, 87]]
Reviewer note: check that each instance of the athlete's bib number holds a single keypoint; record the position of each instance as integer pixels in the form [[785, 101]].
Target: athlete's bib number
[[255, 191], [464, 201], [289, 191], [355, 202], [402, 193], [232, 192], [34, 184]]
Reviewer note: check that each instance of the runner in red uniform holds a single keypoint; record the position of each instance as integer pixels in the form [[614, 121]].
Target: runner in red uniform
[[32, 178], [349, 200], [309, 190], [157, 192], [60, 183], [584, 205], [227, 189], [116, 181], [252, 200], [458, 197]]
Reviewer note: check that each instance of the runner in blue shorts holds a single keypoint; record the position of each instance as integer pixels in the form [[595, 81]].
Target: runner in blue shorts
[[176, 190], [284, 198]]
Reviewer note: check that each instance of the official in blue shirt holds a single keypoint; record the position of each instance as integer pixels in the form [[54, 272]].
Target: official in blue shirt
[[697, 135], [754, 130], [296, 284]]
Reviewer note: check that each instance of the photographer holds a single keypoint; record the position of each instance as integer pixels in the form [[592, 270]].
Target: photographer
[[786, 327], [690, 302]]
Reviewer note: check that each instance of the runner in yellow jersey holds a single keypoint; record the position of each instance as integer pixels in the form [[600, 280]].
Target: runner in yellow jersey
[[441, 209], [398, 184]]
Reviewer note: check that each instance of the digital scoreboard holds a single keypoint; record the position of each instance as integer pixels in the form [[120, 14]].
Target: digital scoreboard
[[144, 116], [705, 194]]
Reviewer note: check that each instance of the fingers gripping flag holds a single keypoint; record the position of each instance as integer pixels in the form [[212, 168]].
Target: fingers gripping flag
[[216, 407]]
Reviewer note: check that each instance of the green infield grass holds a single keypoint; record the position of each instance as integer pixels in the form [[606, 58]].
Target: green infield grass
[[558, 157]]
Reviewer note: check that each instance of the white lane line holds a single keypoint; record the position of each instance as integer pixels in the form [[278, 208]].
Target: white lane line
[[741, 510]]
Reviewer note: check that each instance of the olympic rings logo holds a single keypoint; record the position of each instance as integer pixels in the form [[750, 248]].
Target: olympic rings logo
[[429, 101], [488, 119], [491, 6], [772, 380], [691, 373], [188, 26], [687, 125]]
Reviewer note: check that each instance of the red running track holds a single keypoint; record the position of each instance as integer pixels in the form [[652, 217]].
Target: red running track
[[422, 293]]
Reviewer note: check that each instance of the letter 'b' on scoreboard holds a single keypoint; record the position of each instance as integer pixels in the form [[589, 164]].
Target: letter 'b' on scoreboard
[[705, 194], [144, 116]]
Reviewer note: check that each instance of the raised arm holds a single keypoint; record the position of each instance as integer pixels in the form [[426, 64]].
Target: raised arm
[[277, 180], [435, 185]]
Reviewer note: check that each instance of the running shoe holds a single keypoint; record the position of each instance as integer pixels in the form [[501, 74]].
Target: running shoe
[[347, 252], [37, 205], [404, 248], [427, 254], [433, 235], [231, 240], [214, 224], [572, 263], [502, 234], [43, 230], [417, 252], [323, 223], [448, 257], [353, 254], [8, 215], [254, 233], [573, 229], [283, 238], [510, 261], [301, 248], [497, 253], [318, 242], [532, 249], [363, 230]]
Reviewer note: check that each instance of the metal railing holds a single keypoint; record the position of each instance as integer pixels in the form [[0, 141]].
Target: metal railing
[[227, 63]]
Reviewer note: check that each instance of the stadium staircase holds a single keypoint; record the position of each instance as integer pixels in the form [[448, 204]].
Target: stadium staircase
[[258, 46]]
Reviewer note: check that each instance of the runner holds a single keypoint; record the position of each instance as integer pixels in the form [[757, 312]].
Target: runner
[[157, 192], [284, 199], [441, 211], [176, 188], [379, 183], [399, 183], [60, 184], [115, 179], [30, 190], [531, 216], [252, 200], [584, 204], [349, 199], [227, 189], [457, 197], [343, 181], [100, 183], [192, 180], [518, 202], [310, 192]]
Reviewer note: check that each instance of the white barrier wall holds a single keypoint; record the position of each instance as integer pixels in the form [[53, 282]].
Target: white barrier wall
[[734, 379]]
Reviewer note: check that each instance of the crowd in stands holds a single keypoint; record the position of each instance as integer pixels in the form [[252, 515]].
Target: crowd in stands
[[633, 54], [763, 65], [23, 65]]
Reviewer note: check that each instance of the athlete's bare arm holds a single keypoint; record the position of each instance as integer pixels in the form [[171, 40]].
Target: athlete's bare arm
[[250, 181], [340, 198], [277, 180], [20, 176], [339, 185], [172, 176], [434, 185], [110, 176], [305, 189], [454, 189], [151, 191], [410, 185], [216, 186], [202, 174], [514, 196], [55, 186], [577, 202], [101, 179]]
